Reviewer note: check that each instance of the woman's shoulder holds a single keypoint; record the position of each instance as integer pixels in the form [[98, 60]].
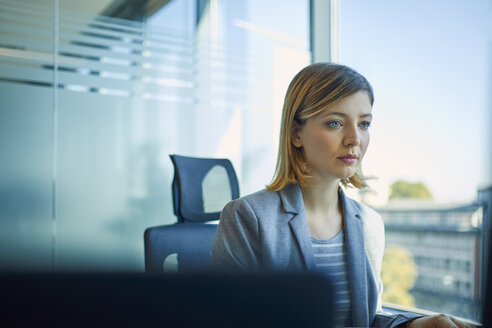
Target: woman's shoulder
[[371, 219], [366, 212], [259, 200], [373, 226]]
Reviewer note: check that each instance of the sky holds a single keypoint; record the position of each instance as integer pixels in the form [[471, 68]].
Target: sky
[[429, 63]]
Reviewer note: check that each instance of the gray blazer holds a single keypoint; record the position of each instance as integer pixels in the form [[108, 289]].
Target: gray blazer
[[268, 231]]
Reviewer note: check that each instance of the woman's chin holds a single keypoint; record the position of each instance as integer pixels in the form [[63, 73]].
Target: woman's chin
[[347, 175]]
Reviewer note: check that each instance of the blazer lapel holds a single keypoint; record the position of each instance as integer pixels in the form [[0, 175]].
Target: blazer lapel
[[293, 203], [356, 261], [300, 228]]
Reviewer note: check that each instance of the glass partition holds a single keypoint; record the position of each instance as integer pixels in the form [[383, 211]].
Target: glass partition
[[86, 165], [26, 135]]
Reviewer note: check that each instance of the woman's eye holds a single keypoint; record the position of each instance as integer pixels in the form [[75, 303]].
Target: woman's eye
[[333, 124], [365, 125]]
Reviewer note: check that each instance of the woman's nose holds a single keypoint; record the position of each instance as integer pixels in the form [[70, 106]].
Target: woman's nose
[[352, 137]]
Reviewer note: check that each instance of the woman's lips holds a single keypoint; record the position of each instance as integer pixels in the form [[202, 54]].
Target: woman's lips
[[348, 159]]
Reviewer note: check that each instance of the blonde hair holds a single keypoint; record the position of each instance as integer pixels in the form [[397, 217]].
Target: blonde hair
[[310, 92]]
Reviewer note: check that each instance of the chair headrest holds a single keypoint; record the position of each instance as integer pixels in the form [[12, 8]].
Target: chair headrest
[[201, 187]]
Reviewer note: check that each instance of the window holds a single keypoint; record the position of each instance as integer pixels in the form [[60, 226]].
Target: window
[[430, 118]]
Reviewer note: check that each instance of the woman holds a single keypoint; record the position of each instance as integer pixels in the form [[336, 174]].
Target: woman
[[303, 220]]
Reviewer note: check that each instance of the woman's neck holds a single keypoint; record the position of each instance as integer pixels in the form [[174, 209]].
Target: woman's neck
[[321, 197], [322, 210]]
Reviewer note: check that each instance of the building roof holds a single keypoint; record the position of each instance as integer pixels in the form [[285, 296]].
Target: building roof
[[417, 205]]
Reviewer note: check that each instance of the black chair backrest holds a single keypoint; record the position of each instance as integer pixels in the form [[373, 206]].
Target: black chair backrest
[[191, 177], [201, 187]]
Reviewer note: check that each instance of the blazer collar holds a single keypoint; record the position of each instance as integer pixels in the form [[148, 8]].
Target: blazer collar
[[291, 197], [293, 202]]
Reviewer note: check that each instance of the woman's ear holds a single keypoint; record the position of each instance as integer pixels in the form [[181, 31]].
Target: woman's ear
[[296, 135]]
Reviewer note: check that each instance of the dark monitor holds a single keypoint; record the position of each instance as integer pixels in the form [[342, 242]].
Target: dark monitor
[[207, 300]]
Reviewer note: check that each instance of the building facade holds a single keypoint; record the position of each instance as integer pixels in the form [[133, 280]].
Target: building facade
[[445, 241]]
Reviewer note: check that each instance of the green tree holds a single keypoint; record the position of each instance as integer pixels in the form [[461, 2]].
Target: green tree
[[404, 189], [398, 273]]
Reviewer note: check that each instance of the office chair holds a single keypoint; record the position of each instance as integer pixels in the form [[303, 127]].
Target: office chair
[[200, 188]]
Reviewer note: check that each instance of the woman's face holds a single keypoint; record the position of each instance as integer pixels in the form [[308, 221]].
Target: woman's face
[[334, 141]]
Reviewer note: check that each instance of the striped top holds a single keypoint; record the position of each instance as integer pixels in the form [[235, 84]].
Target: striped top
[[330, 259]]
